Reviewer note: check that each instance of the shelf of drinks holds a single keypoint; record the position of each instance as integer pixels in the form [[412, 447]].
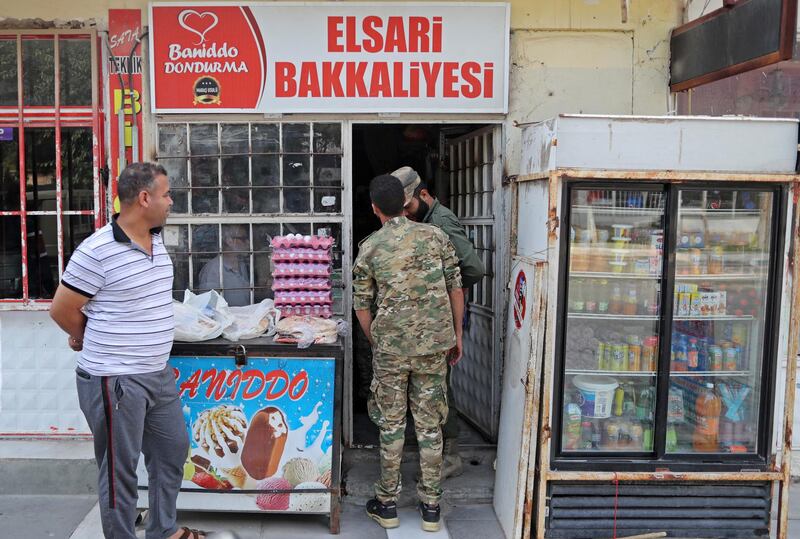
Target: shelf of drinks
[[656, 276], [708, 374], [722, 277], [609, 210], [591, 316], [717, 318], [614, 210], [645, 317], [626, 374], [729, 212], [609, 275]]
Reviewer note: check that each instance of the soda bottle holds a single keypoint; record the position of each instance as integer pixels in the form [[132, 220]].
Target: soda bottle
[[644, 404], [702, 356], [586, 435], [629, 402], [672, 439], [693, 355], [619, 400], [572, 426], [601, 291], [590, 296], [631, 306], [615, 304], [597, 435], [647, 438], [576, 295], [708, 406]]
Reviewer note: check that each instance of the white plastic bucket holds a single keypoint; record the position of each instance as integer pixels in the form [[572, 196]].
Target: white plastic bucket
[[595, 395]]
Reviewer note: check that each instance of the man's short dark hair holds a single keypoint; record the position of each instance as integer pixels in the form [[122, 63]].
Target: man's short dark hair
[[422, 185], [386, 192], [137, 177]]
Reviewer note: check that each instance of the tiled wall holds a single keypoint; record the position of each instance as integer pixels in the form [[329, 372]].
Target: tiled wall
[[37, 377]]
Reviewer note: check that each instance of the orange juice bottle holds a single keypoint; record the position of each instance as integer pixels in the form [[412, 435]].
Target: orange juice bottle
[[708, 407]]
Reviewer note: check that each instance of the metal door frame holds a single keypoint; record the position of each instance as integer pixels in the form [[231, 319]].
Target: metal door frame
[[501, 221]]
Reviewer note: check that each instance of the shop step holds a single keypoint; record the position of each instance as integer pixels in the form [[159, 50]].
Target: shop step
[[361, 468], [52, 467]]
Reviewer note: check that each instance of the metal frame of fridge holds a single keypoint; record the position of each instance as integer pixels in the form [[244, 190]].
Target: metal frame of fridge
[[623, 461], [775, 466]]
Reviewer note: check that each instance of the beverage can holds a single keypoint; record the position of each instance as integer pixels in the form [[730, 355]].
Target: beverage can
[[731, 358], [619, 357], [649, 354], [695, 304], [715, 358], [634, 357], [684, 304], [601, 356]]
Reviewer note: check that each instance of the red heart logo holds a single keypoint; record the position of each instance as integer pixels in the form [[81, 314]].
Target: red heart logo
[[198, 23]]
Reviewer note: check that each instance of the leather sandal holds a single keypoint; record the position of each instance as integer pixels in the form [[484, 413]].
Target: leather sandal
[[189, 533]]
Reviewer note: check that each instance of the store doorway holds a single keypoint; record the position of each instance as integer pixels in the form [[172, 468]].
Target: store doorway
[[460, 163]]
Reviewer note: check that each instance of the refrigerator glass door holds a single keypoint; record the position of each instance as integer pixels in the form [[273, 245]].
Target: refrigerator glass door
[[722, 265], [612, 320]]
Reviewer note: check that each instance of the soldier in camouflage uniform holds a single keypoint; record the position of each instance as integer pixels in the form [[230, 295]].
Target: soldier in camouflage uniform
[[421, 206], [412, 271]]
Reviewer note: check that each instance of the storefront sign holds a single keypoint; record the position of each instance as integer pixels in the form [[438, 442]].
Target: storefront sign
[[124, 27], [329, 58], [6, 134], [264, 426]]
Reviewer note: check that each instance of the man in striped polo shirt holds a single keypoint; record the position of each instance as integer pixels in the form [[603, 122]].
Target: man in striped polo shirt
[[115, 303]]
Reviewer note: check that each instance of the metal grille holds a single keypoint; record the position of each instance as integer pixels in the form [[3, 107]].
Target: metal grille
[[476, 379], [701, 510], [235, 185]]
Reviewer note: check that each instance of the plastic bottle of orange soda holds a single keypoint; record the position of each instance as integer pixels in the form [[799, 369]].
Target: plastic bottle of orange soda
[[708, 407]]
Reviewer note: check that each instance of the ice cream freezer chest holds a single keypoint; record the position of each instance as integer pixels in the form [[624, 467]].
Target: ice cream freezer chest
[[264, 422]]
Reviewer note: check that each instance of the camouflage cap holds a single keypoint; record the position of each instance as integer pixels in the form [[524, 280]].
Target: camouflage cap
[[409, 179]]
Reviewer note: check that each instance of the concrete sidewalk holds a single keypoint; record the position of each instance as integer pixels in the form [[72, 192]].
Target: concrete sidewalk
[[467, 522], [77, 517]]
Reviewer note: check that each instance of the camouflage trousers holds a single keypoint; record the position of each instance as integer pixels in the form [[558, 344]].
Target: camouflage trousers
[[419, 383]]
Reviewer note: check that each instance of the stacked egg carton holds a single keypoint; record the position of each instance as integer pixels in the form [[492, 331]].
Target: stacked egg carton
[[301, 275]]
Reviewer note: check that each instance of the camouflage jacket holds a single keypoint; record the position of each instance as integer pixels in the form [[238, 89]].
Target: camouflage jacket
[[409, 268], [469, 262]]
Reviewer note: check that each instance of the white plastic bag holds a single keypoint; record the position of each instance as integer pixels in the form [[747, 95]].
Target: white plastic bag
[[193, 326], [211, 304], [251, 321]]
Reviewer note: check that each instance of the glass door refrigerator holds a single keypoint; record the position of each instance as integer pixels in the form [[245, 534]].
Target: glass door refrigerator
[[665, 330]]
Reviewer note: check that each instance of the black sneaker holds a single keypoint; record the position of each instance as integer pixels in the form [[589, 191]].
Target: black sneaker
[[430, 517], [384, 514]]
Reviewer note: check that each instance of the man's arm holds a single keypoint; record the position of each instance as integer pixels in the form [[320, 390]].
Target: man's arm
[[457, 306], [469, 262], [66, 312], [365, 319], [363, 294], [452, 280]]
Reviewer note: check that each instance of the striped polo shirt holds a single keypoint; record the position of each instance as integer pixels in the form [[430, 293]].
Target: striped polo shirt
[[129, 327]]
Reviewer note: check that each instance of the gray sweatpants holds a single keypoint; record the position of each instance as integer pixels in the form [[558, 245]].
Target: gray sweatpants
[[129, 415]]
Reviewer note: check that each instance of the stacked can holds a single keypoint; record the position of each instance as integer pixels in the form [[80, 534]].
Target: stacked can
[[301, 275]]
